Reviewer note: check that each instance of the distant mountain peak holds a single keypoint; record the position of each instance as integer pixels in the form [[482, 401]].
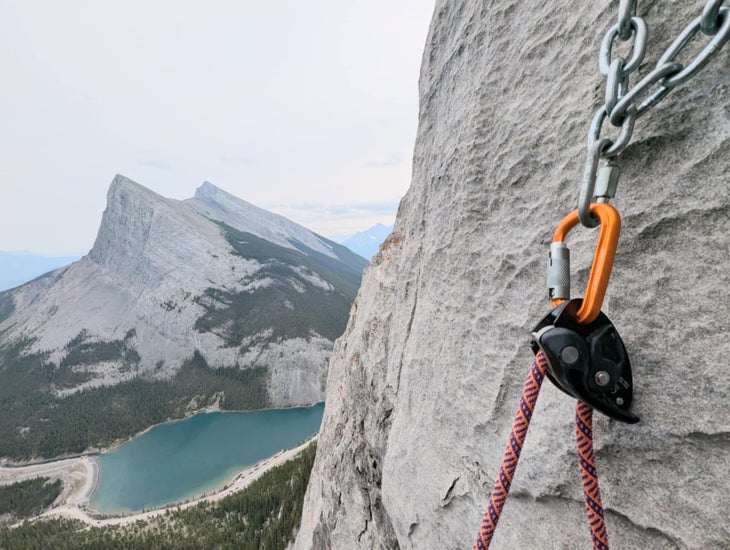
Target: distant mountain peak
[[170, 286], [122, 184], [210, 190], [131, 212], [367, 243]]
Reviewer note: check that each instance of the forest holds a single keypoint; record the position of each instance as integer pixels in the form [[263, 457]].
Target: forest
[[265, 516], [98, 417], [27, 498]]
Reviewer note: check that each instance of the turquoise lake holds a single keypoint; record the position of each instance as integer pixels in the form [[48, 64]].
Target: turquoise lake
[[180, 460]]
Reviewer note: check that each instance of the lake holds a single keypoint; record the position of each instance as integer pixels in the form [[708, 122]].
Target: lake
[[182, 460]]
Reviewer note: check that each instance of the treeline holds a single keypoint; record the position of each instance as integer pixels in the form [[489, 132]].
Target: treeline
[[35, 423], [264, 516], [28, 498]]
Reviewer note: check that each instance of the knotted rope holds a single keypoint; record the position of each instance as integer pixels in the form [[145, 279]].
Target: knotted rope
[[584, 442]]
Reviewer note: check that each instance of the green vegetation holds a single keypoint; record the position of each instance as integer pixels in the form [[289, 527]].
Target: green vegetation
[[265, 516], [81, 351], [28, 498], [36, 423], [279, 309], [345, 274]]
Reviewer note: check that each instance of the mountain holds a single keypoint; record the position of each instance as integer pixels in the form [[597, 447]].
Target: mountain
[[424, 385], [179, 305], [17, 268], [366, 243]]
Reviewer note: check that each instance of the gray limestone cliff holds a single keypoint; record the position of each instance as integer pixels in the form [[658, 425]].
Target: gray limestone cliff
[[425, 381], [165, 279]]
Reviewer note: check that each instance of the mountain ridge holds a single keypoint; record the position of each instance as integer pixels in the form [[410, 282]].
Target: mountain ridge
[[18, 268], [168, 292]]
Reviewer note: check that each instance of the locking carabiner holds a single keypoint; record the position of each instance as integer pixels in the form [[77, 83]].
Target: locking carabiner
[[559, 263], [585, 354]]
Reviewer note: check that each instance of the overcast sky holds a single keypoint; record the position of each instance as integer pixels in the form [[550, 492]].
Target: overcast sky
[[307, 108]]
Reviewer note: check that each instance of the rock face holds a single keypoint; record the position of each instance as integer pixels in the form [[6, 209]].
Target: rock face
[[425, 381], [212, 274]]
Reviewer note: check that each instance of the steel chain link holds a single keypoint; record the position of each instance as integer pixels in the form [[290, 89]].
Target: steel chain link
[[622, 106], [626, 10]]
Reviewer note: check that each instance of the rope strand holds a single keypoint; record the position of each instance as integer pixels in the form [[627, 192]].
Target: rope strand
[[586, 460], [589, 476], [512, 453]]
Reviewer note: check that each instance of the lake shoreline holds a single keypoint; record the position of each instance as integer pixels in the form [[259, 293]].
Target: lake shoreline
[[181, 461], [95, 451], [81, 475], [78, 475], [76, 505]]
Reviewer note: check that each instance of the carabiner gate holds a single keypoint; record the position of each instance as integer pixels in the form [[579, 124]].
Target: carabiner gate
[[559, 263]]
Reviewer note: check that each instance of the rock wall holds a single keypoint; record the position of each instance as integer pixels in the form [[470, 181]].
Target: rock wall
[[424, 383]]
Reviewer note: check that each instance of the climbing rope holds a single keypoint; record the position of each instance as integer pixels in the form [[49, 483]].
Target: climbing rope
[[512, 453], [584, 443], [575, 345], [561, 343], [589, 476]]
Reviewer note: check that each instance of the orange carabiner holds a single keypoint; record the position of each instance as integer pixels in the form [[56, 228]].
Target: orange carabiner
[[602, 259]]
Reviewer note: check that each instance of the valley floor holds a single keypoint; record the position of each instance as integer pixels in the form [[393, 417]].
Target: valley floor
[[79, 477]]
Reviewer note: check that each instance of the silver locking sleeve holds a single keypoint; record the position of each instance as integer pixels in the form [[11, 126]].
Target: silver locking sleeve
[[558, 273]]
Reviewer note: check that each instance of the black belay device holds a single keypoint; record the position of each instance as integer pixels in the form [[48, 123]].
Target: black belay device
[[587, 361]]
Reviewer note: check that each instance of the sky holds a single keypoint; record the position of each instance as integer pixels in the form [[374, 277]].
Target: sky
[[308, 109]]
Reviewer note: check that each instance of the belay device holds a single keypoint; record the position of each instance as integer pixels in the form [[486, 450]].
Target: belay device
[[585, 355], [575, 345], [588, 362]]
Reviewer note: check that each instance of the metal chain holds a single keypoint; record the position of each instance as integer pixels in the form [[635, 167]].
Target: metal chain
[[622, 106]]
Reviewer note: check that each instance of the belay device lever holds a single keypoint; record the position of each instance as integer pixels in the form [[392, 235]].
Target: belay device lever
[[585, 354]]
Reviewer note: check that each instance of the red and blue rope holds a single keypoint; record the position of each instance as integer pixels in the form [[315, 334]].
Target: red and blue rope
[[584, 443], [512, 453], [589, 476]]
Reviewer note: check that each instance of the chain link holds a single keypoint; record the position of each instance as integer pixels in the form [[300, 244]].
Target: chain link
[[616, 84], [710, 16], [626, 10], [622, 106], [658, 75], [690, 31], [639, 30]]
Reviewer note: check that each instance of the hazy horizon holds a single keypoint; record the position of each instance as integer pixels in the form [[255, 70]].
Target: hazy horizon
[[336, 237], [309, 111]]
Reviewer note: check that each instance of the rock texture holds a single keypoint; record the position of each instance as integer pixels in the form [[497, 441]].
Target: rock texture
[[424, 383], [165, 278]]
